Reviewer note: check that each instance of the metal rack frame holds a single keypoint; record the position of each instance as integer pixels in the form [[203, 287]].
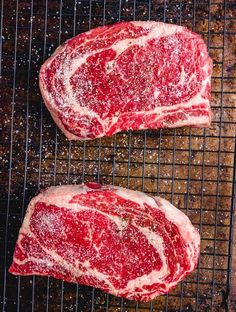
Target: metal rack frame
[[35, 154]]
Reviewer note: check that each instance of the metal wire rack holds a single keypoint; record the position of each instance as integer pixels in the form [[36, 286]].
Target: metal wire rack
[[194, 168]]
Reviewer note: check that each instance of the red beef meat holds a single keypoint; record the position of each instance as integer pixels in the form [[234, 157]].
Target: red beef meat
[[130, 75], [126, 243]]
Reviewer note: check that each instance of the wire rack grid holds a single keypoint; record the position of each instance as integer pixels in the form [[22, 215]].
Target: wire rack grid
[[193, 168]]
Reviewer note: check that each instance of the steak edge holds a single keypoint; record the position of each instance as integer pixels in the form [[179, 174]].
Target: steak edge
[[124, 242], [128, 76]]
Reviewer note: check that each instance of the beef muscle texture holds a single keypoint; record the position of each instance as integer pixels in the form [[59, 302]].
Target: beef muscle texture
[[129, 75], [126, 243]]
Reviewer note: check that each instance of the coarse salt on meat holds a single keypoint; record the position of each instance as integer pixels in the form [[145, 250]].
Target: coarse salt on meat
[[129, 75], [126, 243]]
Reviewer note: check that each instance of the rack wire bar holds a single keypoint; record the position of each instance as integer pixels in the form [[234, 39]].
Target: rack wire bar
[[193, 168]]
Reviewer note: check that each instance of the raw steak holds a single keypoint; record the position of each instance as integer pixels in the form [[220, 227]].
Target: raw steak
[[124, 242], [130, 75]]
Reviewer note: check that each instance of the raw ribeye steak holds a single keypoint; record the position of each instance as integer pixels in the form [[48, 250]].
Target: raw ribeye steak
[[130, 75], [124, 242]]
